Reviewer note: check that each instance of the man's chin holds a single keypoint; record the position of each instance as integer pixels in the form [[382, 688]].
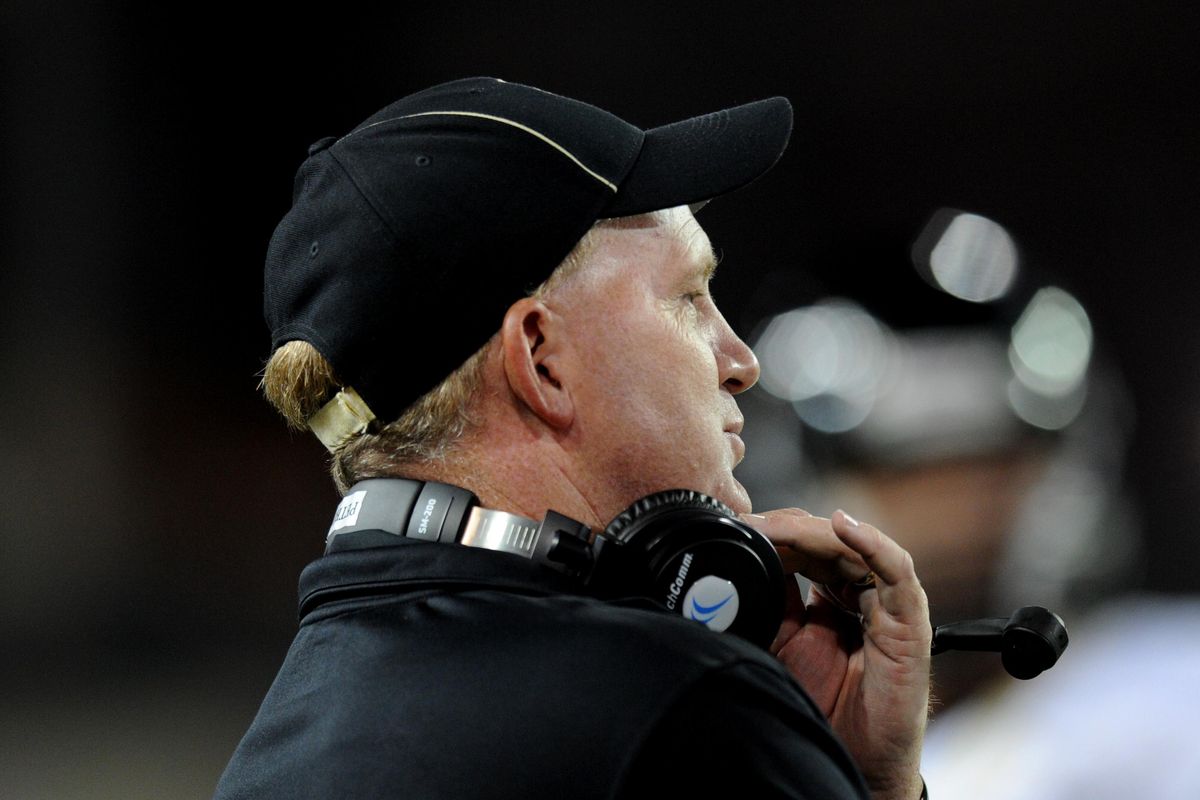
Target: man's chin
[[736, 497]]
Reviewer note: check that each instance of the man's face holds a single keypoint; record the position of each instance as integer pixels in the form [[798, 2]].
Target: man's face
[[654, 366]]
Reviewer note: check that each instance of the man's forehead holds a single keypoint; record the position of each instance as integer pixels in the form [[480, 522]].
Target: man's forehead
[[678, 225], [647, 244]]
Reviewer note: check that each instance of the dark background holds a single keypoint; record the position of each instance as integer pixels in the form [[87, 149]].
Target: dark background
[[155, 515]]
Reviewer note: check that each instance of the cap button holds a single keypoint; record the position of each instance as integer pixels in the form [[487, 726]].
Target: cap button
[[318, 146]]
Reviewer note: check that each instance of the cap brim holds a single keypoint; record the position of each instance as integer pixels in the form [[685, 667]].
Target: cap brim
[[697, 159]]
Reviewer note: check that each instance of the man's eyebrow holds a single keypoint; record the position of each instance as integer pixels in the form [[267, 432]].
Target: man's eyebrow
[[708, 266]]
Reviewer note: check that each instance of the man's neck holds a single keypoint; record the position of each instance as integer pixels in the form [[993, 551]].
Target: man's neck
[[526, 475]]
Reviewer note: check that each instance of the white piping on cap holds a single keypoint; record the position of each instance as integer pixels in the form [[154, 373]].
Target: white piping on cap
[[527, 130]]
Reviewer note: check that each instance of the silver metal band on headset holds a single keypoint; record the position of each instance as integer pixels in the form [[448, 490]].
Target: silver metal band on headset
[[439, 512], [431, 512], [499, 530]]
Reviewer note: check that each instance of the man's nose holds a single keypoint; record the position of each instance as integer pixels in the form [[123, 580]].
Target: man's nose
[[739, 365]]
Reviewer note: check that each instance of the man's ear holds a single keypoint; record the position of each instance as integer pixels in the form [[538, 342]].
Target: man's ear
[[532, 343]]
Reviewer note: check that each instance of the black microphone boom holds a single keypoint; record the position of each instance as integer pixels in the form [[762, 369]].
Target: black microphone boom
[[1029, 642]]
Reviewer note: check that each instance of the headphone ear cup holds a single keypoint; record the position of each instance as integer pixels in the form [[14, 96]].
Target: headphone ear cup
[[690, 553], [633, 519]]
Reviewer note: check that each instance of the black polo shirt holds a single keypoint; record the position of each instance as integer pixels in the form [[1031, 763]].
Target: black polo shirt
[[439, 671]]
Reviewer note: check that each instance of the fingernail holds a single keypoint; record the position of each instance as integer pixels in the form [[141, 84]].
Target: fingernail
[[851, 521], [755, 517]]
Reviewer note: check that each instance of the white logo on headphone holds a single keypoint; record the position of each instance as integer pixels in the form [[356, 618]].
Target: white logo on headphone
[[713, 601], [346, 515]]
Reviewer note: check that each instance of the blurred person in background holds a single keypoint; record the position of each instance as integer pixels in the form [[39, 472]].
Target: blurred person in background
[[1006, 503], [427, 667]]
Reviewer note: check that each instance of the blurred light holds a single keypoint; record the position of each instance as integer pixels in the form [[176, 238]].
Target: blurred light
[[1045, 411], [832, 413], [1051, 344], [945, 397], [973, 257], [827, 359], [1050, 351]]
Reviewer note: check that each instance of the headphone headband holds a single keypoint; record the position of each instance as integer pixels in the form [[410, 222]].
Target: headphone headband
[[681, 549]]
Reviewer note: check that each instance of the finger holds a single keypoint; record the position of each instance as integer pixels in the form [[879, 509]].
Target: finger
[[822, 611], [896, 584], [842, 595], [808, 545], [890, 563]]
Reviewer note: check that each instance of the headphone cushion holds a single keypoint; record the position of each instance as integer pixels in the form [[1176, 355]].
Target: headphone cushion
[[631, 518]]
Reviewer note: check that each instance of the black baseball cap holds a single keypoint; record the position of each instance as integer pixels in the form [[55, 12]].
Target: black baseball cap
[[410, 236]]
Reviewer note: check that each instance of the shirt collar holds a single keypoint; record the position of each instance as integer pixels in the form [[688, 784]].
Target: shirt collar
[[404, 565]]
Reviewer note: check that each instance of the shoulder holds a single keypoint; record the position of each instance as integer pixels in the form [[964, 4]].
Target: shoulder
[[748, 729], [627, 636], [690, 704], [580, 647], [715, 700]]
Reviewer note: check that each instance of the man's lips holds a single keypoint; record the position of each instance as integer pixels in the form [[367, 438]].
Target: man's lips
[[731, 430], [737, 445]]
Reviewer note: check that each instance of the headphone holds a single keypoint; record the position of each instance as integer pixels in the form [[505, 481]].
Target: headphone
[[684, 550]]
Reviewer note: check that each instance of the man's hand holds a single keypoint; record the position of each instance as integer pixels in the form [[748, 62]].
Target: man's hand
[[867, 671]]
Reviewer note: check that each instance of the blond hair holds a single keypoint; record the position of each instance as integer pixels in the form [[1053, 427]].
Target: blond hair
[[298, 381]]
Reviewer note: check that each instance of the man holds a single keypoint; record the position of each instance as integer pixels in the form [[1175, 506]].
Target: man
[[424, 667]]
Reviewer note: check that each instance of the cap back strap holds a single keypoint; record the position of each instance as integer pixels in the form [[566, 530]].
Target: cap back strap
[[341, 419]]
